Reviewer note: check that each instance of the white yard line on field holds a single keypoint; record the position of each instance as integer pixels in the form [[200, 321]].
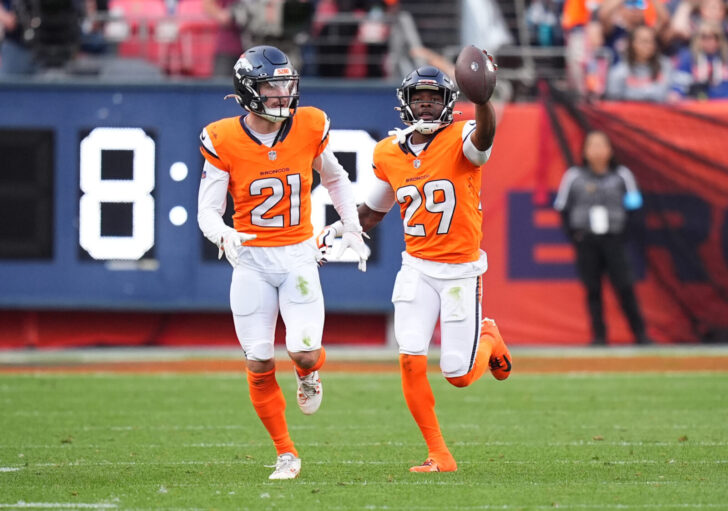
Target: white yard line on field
[[336, 353], [338, 445], [55, 505], [298, 427], [605, 462]]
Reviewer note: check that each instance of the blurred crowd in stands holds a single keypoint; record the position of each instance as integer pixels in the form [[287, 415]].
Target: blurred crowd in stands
[[198, 38], [643, 50], [638, 50]]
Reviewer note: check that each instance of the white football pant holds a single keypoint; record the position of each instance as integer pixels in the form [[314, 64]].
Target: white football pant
[[255, 299], [419, 300]]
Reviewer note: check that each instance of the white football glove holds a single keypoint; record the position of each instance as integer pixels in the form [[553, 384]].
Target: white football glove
[[229, 243], [355, 241], [351, 237]]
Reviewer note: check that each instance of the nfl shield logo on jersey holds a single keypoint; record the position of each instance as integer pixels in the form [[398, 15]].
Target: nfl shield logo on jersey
[[272, 155], [417, 164]]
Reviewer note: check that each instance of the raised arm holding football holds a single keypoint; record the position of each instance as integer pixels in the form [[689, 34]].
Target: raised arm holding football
[[475, 74]]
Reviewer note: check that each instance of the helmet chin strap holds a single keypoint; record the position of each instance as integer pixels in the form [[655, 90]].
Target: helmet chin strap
[[428, 128], [265, 114], [400, 136]]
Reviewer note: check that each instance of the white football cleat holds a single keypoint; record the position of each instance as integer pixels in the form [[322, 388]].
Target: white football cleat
[[287, 467], [310, 392]]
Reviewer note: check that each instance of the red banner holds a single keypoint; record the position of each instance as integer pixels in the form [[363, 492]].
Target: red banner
[[680, 257]]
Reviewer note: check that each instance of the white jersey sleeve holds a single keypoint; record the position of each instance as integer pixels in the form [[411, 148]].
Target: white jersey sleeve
[[336, 181], [381, 197], [212, 201], [472, 153]]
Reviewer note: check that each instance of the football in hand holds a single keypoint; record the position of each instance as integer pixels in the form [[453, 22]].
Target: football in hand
[[475, 74]]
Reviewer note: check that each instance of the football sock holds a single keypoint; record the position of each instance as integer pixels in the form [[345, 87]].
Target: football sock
[[320, 362], [270, 405], [421, 403], [482, 357]]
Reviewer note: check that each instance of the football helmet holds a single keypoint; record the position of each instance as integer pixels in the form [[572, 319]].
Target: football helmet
[[268, 69], [427, 78]]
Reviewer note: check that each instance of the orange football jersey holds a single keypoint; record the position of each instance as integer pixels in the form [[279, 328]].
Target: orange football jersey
[[270, 186], [439, 196]]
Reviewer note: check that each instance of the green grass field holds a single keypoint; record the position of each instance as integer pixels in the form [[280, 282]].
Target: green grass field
[[183, 442]]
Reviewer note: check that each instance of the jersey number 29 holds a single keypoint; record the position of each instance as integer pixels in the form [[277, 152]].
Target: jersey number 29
[[445, 206]]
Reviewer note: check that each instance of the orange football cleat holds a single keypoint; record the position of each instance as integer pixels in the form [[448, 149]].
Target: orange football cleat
[[430, 465], [500, 357]]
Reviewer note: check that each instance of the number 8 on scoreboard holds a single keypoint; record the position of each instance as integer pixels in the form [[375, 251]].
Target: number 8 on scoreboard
[[116, 209]]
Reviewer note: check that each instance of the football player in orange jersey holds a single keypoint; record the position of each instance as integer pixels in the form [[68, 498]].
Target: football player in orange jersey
[[432, 169], [265, 161]]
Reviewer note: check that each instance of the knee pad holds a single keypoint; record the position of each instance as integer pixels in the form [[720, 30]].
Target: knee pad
[[257, 350], [453, 364], [412, 343]]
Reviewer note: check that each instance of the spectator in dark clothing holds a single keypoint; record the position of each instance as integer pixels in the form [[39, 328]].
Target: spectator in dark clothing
[[92, 37], [594, 200], [44, 34], [16, 56]]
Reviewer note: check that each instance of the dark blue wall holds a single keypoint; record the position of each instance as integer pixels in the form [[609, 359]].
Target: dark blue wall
[[174, 116]]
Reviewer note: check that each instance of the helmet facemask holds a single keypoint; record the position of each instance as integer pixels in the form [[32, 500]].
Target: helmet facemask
[[263, 79], [448, 97], [274, 99]]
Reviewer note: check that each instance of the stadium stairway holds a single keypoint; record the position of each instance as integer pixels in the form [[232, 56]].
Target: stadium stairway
[[438, 22]]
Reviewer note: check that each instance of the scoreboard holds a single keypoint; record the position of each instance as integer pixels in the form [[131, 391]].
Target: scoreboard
[[98, 196]]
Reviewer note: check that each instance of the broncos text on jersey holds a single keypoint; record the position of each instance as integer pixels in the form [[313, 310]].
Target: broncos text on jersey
[[270, 186], [439, 195]]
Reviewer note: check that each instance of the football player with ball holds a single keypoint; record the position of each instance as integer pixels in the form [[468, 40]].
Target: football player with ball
[[432, 169]]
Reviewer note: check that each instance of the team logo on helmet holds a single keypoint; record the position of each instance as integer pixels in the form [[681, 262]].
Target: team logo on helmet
[[243, 64]]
